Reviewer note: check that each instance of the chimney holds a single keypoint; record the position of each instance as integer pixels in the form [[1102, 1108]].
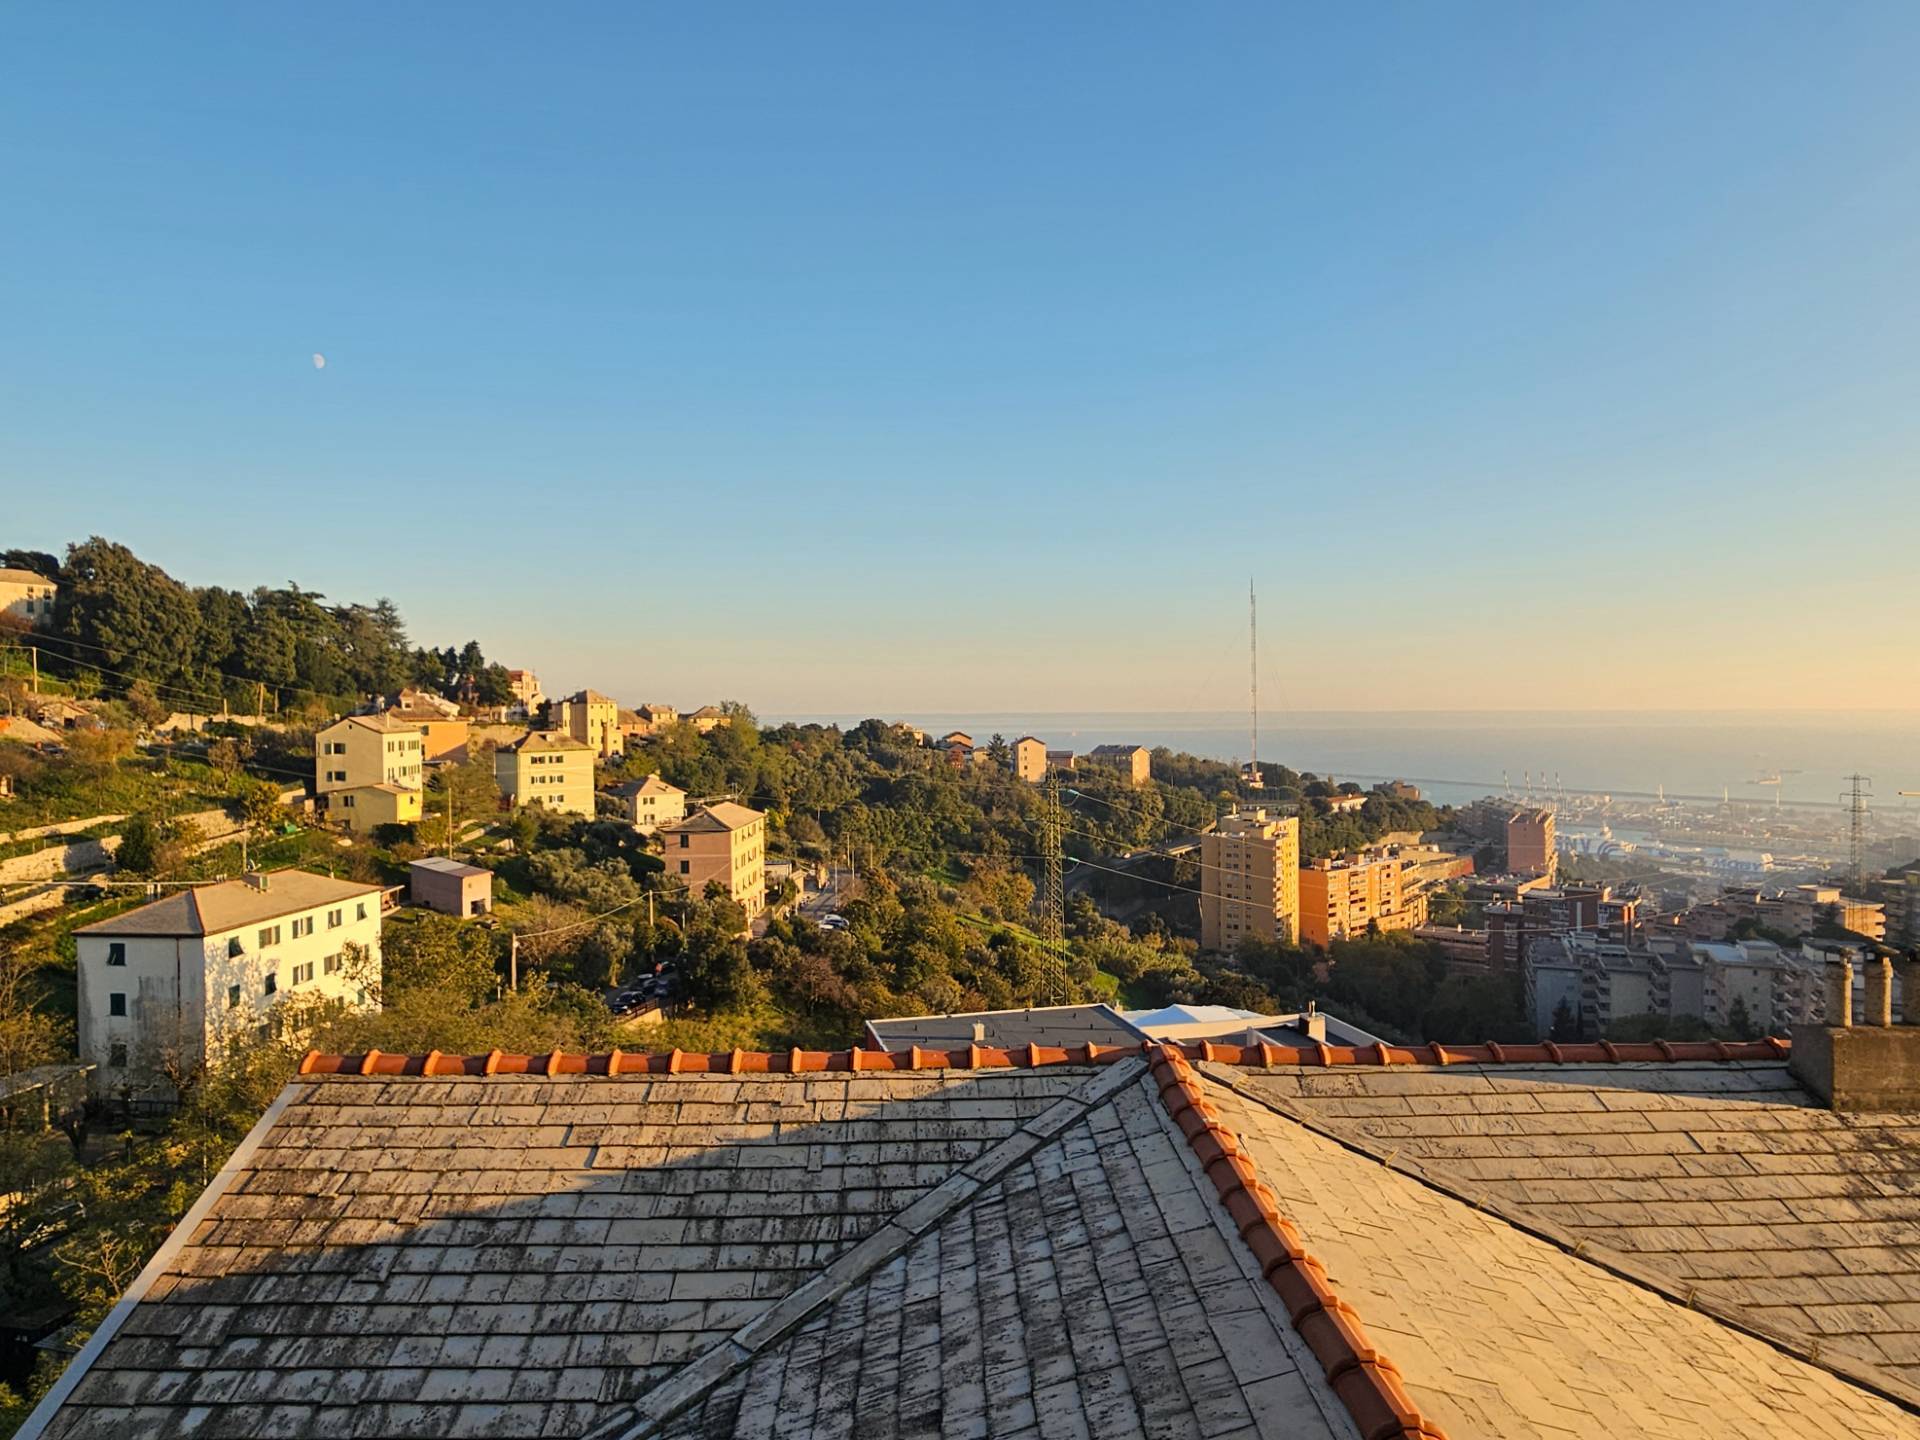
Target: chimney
[[979, 1032], [259, 880], [1312, 1024], [1873, 1065]]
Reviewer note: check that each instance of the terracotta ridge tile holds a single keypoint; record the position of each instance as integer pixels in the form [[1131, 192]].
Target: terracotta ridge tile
[[982, 1057], [1366, 1381]]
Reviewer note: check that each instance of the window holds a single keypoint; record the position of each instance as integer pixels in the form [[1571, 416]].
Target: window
[[272, 983], [117, 1003], [116, 952], [686, 867], [302, 974], [117, 1055], [346, 802], [683, 842], [233, 997], [362, 908], [269, 935], [303, 926], [333, 963], [235, 947], [335, 918]]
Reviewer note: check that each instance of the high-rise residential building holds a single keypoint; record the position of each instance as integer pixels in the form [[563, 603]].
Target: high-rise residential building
[[1030, 759], [1250, 880], [590, 718], [1350, 895], [1530, 843]]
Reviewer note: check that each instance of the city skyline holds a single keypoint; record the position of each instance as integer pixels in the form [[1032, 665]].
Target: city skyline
[[973, 363]]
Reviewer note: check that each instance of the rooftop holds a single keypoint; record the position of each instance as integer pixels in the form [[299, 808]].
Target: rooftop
[[1114, 1241], [441, 865], [651, 785], [25, 577], [721, 815], [231, 905], [543, 740], [1048, 1025]]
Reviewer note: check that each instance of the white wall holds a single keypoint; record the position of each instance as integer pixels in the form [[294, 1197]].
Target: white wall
[[178, 990]]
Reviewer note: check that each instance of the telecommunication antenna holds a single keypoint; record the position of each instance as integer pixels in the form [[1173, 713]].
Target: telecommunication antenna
[[1053, 899], [1856, 799], [1254, 781]]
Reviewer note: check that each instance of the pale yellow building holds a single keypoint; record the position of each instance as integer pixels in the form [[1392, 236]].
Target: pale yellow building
[[1349, 896], [363, 807], [1030, 759], [27, 596], [547, 771], [1134, 761], [369, 770], [590, 718], [1250, 880], [724, 842], [651, 803]]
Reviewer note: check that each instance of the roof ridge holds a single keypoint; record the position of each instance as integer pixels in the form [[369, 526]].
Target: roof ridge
[[644, 1415], [984, 1057], [1367, 1382], [1620, 1264]]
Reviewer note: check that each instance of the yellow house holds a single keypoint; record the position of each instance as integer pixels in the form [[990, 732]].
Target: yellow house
[[548, 771], [369, 770], [28, 596], [651, 803], [364, 806], [1030, 759], [590, 718], [441, 738]]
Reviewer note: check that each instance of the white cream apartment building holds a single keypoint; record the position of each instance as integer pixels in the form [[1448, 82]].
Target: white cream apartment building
[[189, 973], [369, 770]]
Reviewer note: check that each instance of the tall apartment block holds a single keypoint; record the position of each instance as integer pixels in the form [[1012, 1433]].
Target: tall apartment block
[[1530, 843], [1250, 880]]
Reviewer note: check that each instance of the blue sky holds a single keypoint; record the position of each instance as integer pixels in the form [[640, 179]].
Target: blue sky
[[848, 358]]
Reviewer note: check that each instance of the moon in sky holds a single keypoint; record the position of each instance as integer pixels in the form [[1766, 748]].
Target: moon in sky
[[319, 362]]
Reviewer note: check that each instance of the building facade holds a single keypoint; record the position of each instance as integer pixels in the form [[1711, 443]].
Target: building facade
[[651, 803], [721, 842], [524, 685], [546, 771], [452, 888], [1030, 759], [1250, 880], [1530, 846], [27, 596], [165, 988], [369, 770], [590, 718], [1352, 895], [1133, 761]]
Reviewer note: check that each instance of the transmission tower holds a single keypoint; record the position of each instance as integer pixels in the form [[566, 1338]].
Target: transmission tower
[[1053, 898], [1856, 801]]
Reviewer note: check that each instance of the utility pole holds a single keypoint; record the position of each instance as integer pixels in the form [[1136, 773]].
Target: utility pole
[[1856, 799], [513, 962], [1053, 900], [34, 651]]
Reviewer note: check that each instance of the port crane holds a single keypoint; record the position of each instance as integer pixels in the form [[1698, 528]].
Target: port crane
[[1773, 778]]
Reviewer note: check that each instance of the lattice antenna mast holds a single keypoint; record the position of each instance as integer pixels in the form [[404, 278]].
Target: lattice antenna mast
[[1254, 781], [1053, 900], [1856, 799]]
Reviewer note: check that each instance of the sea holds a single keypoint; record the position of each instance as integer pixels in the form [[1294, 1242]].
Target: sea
[[1458, 756]]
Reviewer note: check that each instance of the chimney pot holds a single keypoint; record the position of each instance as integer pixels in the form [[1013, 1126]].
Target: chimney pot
[[1839, 991], [1879, 1010]]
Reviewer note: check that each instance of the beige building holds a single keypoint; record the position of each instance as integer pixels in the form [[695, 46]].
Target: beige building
[[527, 697], [590, 718], [1250, 880], [724, 842], [441, 738], [547, 771], [1030, 759], [708, 718], [27, 596], [651, 803], [176, 980], [369, 770], [1354, 894], [1135, 761], [1530, 843]]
